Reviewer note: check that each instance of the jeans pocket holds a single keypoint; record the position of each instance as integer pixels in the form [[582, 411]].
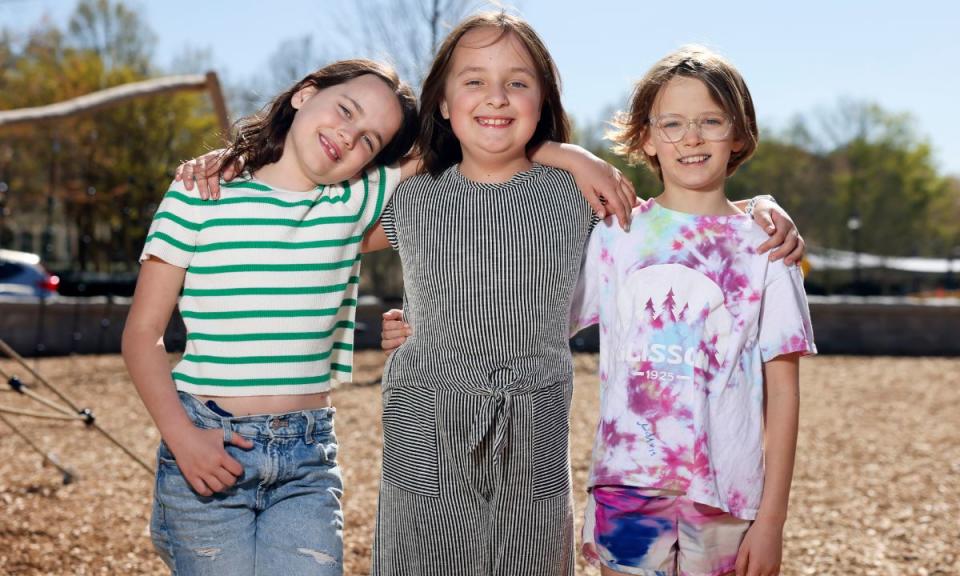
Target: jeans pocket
[[164, 455], [551, 431], [410, 459]]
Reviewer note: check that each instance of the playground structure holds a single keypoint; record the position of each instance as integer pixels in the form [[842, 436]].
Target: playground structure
[[89, 103], [62, 407]]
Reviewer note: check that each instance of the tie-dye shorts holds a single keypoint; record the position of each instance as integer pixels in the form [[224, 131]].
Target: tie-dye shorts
[[652, 533]]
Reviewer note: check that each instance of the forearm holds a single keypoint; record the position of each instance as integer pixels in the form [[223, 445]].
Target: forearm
[[374, 240], [781, 417], [146, 360], [411, 165], [558, 155]]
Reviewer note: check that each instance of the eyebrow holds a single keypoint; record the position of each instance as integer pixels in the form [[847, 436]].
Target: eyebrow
[[361, 112], [521, 69]]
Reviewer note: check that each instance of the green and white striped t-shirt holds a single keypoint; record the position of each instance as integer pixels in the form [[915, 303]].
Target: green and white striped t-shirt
[[270, 293]]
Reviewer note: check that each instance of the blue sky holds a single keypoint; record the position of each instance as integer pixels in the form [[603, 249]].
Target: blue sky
[[798, 58]]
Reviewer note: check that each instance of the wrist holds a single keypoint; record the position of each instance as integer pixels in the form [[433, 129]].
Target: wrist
[[771, 520], [179, 435], [753, 202]]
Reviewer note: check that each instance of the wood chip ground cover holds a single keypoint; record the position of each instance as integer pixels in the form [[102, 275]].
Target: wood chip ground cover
[[876, 491]]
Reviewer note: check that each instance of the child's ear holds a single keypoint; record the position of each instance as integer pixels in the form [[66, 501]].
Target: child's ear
[[647, 145], [301, 96], [444, 111], [737, 145]]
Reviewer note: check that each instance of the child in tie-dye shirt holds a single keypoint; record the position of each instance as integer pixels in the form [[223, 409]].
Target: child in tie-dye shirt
[[700, 338]]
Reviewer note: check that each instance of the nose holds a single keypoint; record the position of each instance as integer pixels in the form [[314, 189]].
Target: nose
[[497, 97], [348, 136], [693, 136]]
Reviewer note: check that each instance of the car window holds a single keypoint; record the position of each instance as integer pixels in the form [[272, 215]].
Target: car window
[[9, 270]]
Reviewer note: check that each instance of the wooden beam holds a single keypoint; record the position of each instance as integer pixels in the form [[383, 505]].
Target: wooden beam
[[94, 101]]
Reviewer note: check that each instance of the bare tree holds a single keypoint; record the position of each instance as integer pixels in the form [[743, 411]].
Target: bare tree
[[404, 32], [114, 32]]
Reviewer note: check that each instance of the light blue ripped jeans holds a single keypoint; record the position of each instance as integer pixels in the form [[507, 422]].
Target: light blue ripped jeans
[[282, 516]]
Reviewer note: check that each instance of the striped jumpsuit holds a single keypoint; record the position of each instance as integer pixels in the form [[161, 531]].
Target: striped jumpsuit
[[476, 473]]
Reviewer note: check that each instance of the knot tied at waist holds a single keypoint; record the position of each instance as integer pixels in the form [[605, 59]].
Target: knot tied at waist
[[496, 410]]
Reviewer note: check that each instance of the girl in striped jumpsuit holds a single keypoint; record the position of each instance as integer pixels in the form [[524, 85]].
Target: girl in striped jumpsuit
[[476, 476]]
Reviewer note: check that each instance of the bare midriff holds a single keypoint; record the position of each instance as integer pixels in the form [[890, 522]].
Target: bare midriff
[[249, 405]]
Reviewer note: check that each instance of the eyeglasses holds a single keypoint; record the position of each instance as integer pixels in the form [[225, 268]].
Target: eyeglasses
[[710, 126]]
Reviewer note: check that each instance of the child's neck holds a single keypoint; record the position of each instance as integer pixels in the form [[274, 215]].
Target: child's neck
[[697, 202], [285, 174], [493, 169]]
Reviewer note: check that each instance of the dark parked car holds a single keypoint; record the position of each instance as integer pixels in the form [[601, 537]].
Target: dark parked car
[[21, 274]]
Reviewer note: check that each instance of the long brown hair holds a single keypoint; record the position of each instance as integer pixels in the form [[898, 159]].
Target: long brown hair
[[437, 143], [259, 138], [726, 85]]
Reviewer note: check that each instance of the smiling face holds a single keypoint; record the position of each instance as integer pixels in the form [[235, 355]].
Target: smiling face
[[338, 130], [693, 163], [493, 99]]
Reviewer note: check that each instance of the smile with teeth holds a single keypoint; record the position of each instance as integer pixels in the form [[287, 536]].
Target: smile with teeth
[[494, 122], [698, 159], [330, 148]]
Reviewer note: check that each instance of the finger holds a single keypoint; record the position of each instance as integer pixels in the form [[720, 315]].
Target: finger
[[393, 326], [393, 333], [199, 486], [186, 170], [615, 205], [595, 204], [392, 343], [230, 464], [776, 238], [213, 483], [632, 190], [741, 564], [787, 247], [213, 184], [393, 314], [199, 174], [225, 478], [178, 173], [628, 192], [241, 442], [797, 254], [765, 220], [623, 197]]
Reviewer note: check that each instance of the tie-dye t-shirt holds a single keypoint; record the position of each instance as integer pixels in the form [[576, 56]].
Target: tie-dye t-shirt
[[688, 313]]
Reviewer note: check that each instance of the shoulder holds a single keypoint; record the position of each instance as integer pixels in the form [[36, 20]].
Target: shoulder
[[380, 173], [426, 181], [177, 197], [558, 177]]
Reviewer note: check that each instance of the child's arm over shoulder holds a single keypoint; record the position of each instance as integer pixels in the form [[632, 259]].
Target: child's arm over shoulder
[[603, 186]]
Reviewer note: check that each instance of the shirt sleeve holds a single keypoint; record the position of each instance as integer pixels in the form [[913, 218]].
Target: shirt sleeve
[[381, 182], [585, 310], [785, 326], [173, 233]]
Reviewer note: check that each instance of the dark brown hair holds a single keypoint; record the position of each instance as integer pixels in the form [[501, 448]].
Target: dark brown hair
[[726, 85], [259, 139], [438, 145]]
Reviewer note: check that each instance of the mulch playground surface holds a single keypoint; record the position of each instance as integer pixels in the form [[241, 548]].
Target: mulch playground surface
[[876, 491]]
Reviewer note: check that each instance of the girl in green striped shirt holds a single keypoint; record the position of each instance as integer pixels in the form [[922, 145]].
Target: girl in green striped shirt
[[266, 281]]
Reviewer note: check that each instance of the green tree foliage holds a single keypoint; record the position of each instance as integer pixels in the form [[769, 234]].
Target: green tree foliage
[[854, 160], [104, 172]]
